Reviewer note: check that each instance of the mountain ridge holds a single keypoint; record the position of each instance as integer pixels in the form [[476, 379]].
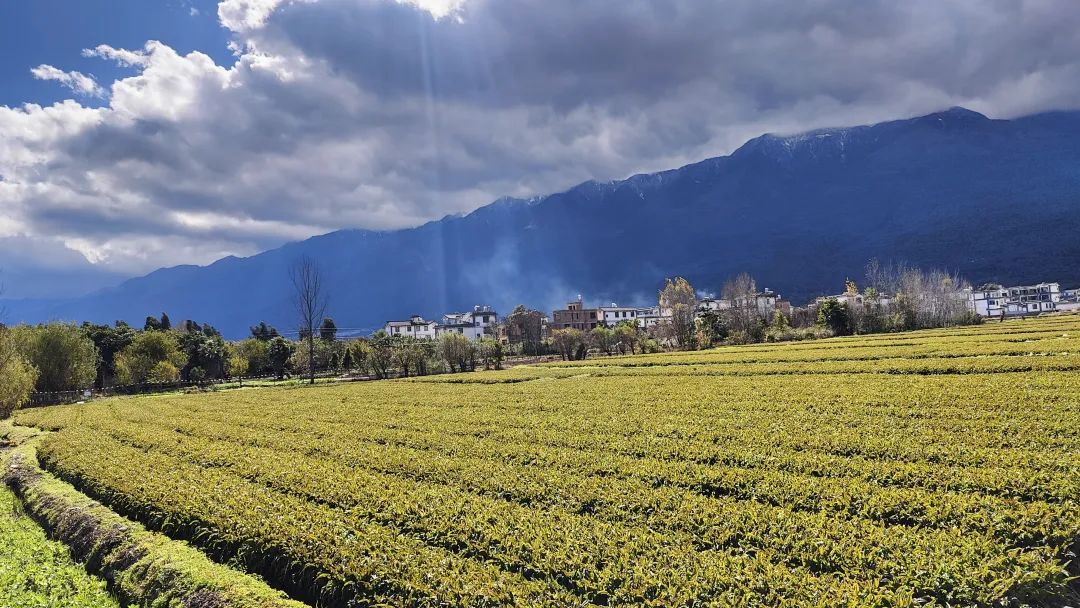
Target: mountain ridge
[[801, 211]]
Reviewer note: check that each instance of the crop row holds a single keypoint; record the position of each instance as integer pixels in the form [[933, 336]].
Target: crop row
[[595, 558], [580, 483], [1050, 346], [1026, 451], [368, 561]]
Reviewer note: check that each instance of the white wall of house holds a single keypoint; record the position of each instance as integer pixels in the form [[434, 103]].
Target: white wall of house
[[479, 322], [766, 302], [992, 300], [470, 331], [415, 327], [651, 317], [615, 314]]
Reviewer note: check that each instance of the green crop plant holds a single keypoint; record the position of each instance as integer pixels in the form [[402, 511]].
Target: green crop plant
[[934, 468]]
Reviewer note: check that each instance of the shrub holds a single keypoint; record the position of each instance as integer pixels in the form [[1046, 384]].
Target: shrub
[[17, 378], [154, 356], [66, 359]]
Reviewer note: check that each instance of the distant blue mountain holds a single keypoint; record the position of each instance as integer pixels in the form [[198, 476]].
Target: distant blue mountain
[[997, 200]]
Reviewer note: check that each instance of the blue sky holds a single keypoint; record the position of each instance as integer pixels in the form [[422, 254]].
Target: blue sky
[[55, 32], [200, 129]]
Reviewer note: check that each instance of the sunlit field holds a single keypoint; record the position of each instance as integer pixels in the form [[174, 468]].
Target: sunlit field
[[938, 467]]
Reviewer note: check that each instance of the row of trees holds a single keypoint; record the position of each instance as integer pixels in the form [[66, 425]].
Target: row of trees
[[381, 356], [66, 357], [623, 339], [69, 357]]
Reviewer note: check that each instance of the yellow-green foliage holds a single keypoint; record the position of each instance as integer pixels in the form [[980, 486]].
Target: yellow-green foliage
[[153, 356], [17, 375], [938, 467], [17, 378], [144, 568]]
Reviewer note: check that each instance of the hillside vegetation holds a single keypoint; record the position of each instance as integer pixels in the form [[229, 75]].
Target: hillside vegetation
[[936, 468], [952, 189]]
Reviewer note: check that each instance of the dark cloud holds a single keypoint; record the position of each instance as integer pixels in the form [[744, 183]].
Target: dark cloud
[[378, 114]]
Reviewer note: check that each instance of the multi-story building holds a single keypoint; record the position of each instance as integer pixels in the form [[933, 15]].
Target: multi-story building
[[510, 333], [994, 300], [651, 317], [481, 321], [415, 327], [615, 314], [575, 316]]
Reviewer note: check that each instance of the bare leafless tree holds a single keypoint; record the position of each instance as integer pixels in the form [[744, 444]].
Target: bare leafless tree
[[309, 295], [920, 298], [678, 302], [743, 312]]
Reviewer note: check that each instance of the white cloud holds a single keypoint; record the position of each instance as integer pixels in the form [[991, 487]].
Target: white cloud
[[388, 113], [437, 8], [240, 15], [76, 81], [121, 56]]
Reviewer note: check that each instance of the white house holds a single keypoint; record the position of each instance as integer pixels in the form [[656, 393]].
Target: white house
[[854, 298], [615, 314], [994, 300], [481, 321], [766, 302], [651, 317], [714, 304], [1070, 299], [415, 327]]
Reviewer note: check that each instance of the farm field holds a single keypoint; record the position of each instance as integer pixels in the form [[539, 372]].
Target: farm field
[[927, 468]]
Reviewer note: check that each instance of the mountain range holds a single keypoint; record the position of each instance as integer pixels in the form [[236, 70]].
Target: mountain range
[[996, 200]]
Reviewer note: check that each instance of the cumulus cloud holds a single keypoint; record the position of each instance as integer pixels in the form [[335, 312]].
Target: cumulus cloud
[[76, 81], [389, 113]]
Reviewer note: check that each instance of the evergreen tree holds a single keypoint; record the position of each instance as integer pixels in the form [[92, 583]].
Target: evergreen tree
[[328, 330], [280, 351], [264, 332], [833, 315]]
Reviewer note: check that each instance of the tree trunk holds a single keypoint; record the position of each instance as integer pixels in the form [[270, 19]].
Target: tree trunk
[[311, 355]]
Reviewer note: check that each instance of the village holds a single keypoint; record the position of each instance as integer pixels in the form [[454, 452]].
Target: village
[[987, 302]]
